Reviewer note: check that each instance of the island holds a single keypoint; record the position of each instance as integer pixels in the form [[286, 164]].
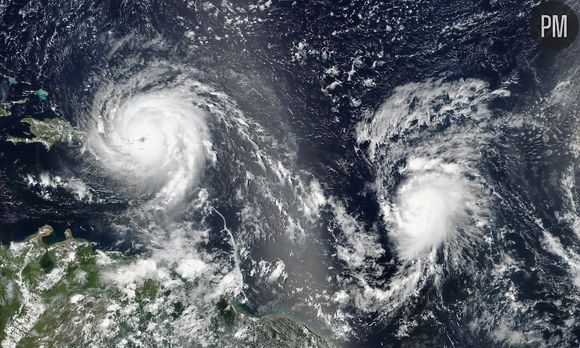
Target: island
[[4, 112], [48, 132], [67, 294]]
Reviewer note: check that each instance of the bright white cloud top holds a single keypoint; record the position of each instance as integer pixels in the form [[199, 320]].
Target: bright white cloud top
[[157, 141], [431, 204]]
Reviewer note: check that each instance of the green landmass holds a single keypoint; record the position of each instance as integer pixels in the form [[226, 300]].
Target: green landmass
[[61, 295], [4, 112], [48, 132]]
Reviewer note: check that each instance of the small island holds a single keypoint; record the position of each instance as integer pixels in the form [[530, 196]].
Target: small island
[[4, 112]]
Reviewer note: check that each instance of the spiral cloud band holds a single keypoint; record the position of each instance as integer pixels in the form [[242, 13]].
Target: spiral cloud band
[[431, 203], [157, 141]]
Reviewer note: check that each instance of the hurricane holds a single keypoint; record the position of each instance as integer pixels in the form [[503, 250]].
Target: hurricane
[[430, 187], [227, 173], [431, 206], [157, 142]]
